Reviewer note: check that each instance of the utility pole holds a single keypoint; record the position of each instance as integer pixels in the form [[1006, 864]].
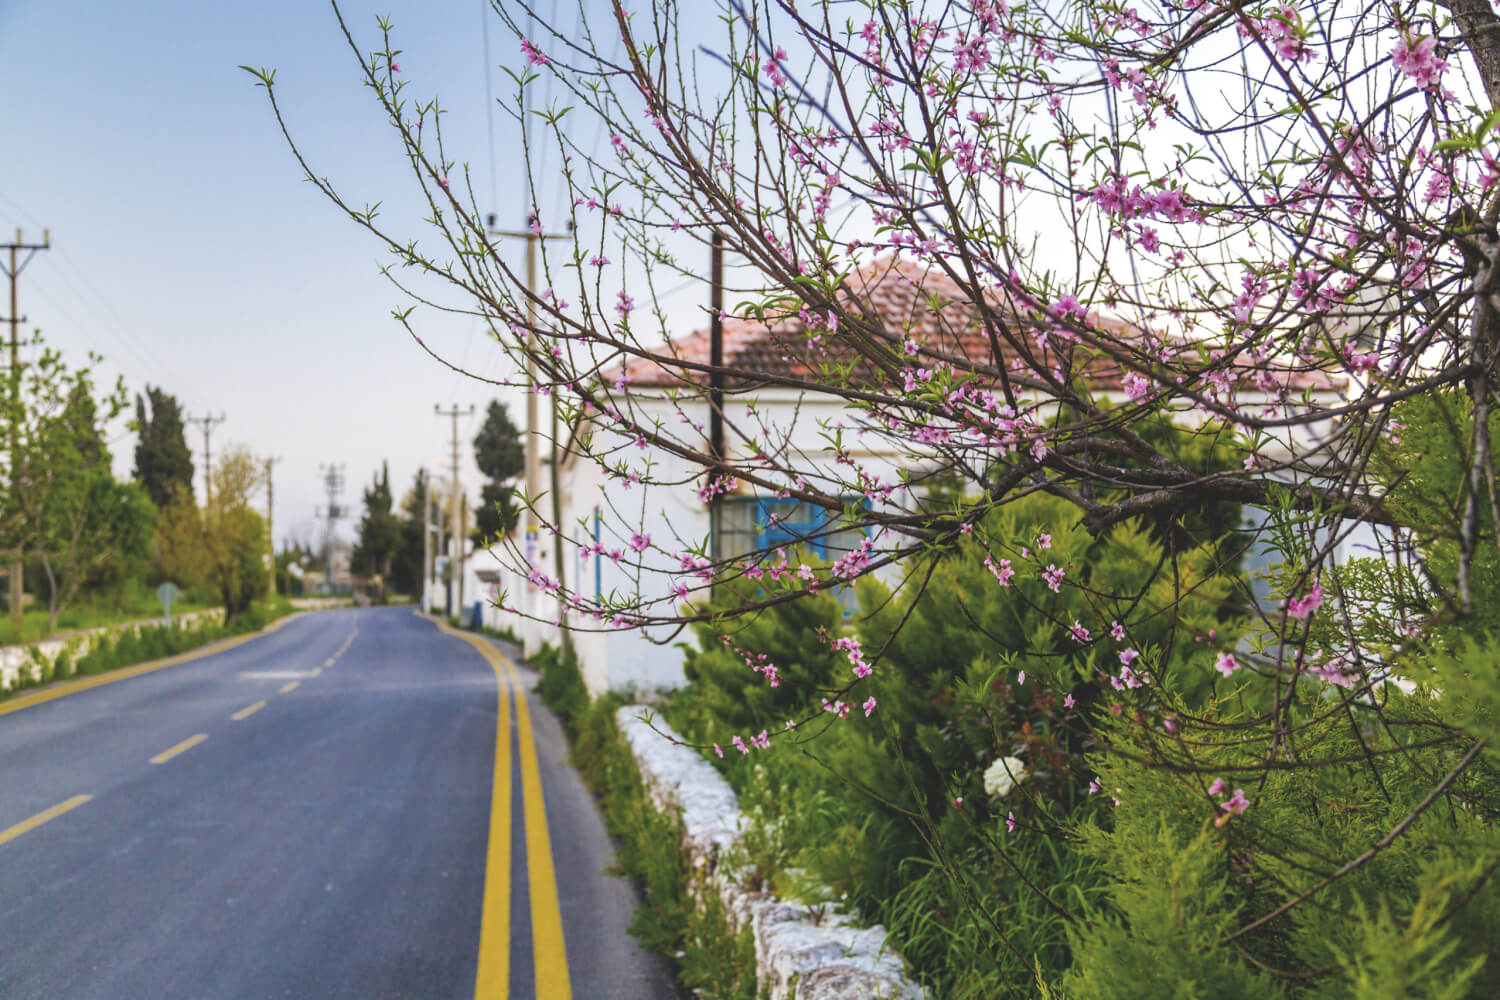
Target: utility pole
[[208, 456], [456, 560], [270, 533], [533, 239], [426, 539], [463, 536], [13, 272], [333, 484]]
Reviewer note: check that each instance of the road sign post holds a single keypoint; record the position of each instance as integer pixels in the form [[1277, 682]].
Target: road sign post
[[167, 593]]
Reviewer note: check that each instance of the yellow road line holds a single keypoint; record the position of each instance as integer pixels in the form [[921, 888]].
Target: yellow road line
[[248, 711], [289, 687], [492, 981], [548, 948], [19, 702], [549, 954], [44, 816], [182, 747]]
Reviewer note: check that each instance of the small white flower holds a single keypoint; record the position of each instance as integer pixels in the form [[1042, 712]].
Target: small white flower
[[1003, 775]]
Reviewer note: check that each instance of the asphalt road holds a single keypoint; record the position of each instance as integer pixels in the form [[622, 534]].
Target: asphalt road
[[309, 815]]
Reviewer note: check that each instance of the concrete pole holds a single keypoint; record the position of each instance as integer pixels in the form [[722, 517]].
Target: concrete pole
[[426, 574]]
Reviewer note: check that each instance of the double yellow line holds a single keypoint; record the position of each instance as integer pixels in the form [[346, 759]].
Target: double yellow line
[[548, 952]]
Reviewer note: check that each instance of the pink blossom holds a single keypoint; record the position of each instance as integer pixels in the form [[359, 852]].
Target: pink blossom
[[1054, 577], [1079, 632], [1136, 386], [1068, 701], [1021, 677], [533, 54], [1303, 607], [1232, 806], [1010, 822], [1217, 788], [1127, 656], [1117, 631], [1226, 664], [869, 705], [1003, 572], [1068, 306], [1417, 58]]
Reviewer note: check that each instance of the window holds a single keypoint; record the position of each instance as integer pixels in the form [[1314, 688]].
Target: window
[[750, 523]]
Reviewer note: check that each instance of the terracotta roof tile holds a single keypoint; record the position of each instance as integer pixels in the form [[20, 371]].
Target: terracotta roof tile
[[908, 302]]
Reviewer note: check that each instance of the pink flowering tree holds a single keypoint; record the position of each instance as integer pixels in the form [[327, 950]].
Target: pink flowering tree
[[1032, 249]]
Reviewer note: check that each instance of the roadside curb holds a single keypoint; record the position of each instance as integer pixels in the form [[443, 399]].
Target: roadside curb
[[796, 955]]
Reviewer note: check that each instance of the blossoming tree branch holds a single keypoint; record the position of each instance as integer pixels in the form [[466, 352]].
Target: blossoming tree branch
[[1150, 261]]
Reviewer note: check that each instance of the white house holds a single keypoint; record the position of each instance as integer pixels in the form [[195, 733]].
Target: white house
[[600, 508]]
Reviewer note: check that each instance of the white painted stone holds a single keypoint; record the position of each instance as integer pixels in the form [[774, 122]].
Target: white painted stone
[[18, 660], [796, 954]]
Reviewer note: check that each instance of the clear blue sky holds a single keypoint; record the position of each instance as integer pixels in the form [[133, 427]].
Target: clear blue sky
[[189, 252]]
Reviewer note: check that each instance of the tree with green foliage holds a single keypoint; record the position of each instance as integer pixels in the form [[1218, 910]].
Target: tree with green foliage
[[163, 460], [406, 564], [379, 529], [222, 544], [89, 520], [294, 554], [501, 456], [60, 502]]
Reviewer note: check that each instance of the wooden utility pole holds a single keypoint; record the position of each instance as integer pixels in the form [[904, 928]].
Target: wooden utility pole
[[456, 560], [270, 532], [208, 457], [13, 272]]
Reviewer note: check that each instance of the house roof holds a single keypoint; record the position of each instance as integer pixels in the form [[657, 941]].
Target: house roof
[[898, 302]]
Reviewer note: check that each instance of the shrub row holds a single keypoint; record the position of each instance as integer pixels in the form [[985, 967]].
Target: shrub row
[[139, 644]]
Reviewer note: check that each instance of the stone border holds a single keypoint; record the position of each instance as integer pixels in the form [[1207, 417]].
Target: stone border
[[797, 957], [18, 658]]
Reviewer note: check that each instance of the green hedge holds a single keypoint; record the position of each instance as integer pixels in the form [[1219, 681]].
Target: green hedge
[[142, 644]]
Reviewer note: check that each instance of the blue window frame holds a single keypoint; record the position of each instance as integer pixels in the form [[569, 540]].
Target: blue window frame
[[758, 523]]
